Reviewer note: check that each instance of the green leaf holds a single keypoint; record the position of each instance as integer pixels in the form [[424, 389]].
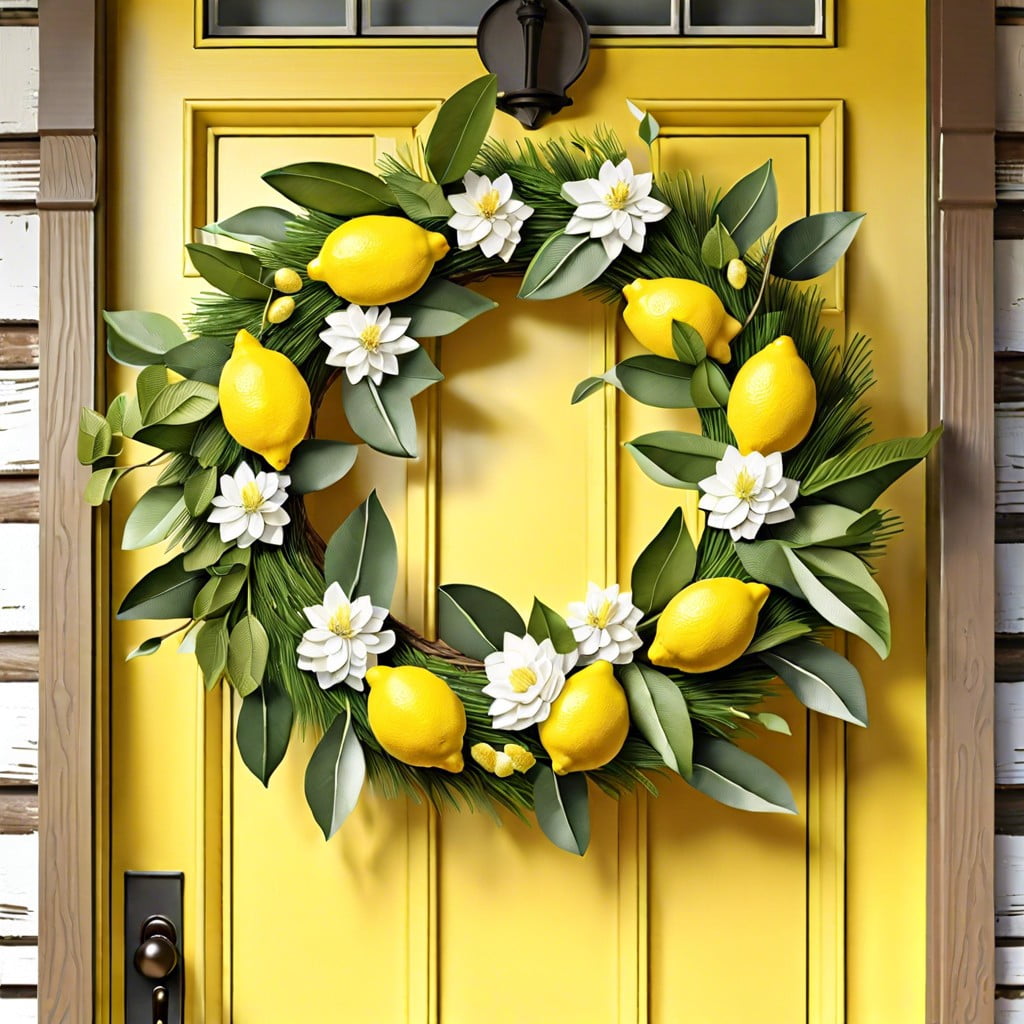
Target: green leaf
[[733, 777], [474, 621], [809, 247], [264, 729], [648, 127], [168, 439], [165, 593], [709, 386], [564, 265], [420, 200], [766, 562], [441, 307], [563, 809], [335, 775], [257, 225], [331, 188], [718, 248], [658, 709], [102, 483], [676, 459], [116, 411], [655, 381], [822, 680], [460, 129], [777, 635], [148, 386], [153, 517], [688, 344], [750, 207], [248, 649], [362, 555], [665, 566], [201, 359], [820, 524], [238, 274], [546, 624], [95, 437], [200, 489], [856, 480], [586, 388], [206, 552], [219, 594], [137, 338], [184, 401], [772, 722], [147, 647], [212, 651], [316, 464]]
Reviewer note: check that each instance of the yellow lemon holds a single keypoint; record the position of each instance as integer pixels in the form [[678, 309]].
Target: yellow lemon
[[416, 717], [280, 309], [653, 305], [708, 625], [264, 400], [588, 722], [773, 400], [373, 261], [287, 280]]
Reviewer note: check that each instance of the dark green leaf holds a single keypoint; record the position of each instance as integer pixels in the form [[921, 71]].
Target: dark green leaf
[[709, 386], [331, 188], [441, 307], [718, 248], [750, 207], [665, 566], [655, 381], [822, 680], [248, 649], [658, 709], [238, 274], [766, 562], [586, 388], [200, 489], [153, 517], [474, 621], [264, 729], [362, 555], [648, 129], [675, 459], [201, 359], [563, 810], [168, 439], [95, 437], [165, 593], [460, 129], [546, 624], [564, 265], [147, 647], [137, 338], [809, 247], [257, 225], [688, 344], [733, 777], [212, 651], [777, 635], [184, 401], [335, 775], [317, 464]]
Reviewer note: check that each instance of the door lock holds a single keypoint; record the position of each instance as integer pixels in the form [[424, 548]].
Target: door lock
[[154, 978]]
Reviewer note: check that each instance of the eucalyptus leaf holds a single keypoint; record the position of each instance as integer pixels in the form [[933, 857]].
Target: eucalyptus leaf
[[147, 647], [184, 401], [199, 490], [750, 207], [166, 592], [95, 437], [441, 307], [332, 188], [655, 381], [201, 359], [586, 388], [248, 649], [809, 247], [822, 679], [709, 386], [316, 464], [688, 344], [718, 248], [665, 566], [153, 517], [238, 274], [257, 225], [562, 806], [460, 129], [212, 651], [138, 338], [658, 709], [676, 459], [474, 621], [563, 265], [546, 624], [102, 483], [264, 729], [362, 554], [335, 775], [733, 777]]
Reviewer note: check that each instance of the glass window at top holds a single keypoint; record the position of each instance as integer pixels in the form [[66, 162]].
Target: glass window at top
[[460, 17]]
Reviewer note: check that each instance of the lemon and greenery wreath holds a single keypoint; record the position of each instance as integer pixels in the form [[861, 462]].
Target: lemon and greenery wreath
[[501, 712]]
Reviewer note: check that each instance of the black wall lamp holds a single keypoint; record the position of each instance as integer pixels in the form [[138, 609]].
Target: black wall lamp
[[537, 50]]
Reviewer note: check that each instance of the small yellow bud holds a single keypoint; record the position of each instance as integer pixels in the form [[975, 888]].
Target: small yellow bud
[[281, 309], [736, 274], [503, 766], [485, 755], [288, 281], [522, 759]]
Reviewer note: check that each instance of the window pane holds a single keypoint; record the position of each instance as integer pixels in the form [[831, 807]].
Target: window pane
[[636, 14], [754, 17], [276, 17], [406, 15]]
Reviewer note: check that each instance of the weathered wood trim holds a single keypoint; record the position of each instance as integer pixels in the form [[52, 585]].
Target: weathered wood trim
[[19, 500], [19, 813], [19, 347], [19, 171], [960, 941], [19, 659]]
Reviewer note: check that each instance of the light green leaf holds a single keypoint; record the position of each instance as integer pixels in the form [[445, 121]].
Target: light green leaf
[[460, 129], [165, 593], [665, 566], [750, 207], [564, 265], [709, 386], [772, 722], [331, 188], [147, 647], [362, 555], [563, 810], [260, 224], [212, 651], [116, 411], [102, 483], [718, 248], [586, 388], [137, 338], [238, 274], [809, 247], [441, 307], [206, 552], [184, 401], [264, 729], [95, 437], [153, 517], [658, 709], [148, 386], [420, 200], [818, 524], [655, 381], [676, 459], [199, 491], [316, 464], [335, 775], [168, 439], [201, 359], [248, 649], [219, 594], [822, 680], [131, 421], [777, 635], [474, 621], [733, 777], [688, 344], [546, 624]]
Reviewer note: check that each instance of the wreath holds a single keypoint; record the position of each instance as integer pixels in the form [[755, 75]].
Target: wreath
[[502, 712]]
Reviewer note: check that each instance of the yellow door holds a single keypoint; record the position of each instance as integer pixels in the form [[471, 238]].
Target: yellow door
[[682, 910]]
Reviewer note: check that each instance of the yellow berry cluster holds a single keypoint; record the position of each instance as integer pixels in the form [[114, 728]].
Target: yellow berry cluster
[[503, 763]]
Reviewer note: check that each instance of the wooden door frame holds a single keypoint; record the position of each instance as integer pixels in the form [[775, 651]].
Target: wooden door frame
[[961, 544]]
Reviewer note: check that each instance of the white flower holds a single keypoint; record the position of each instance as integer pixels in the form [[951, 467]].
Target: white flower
[[366, 342], [344, 634], [525, 677], [746, 492], [615, 207], [604, 626], [488, 216], [248, 507]]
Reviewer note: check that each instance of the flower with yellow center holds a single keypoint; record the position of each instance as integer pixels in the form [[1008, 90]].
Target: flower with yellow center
[[615, 207], [746, 492], [249, 507], [343, 636], [524, 677], [366, 342], [604, 625], [488, 215]]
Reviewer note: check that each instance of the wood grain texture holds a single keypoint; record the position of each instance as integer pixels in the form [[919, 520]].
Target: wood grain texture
[[19, 584], [19, 347], [19, 887], [19, 812], [19, 735], [1009, 575], [19, 79], [19, 421], [19, 171], [19, 500], [19, 266], [19, 659]]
